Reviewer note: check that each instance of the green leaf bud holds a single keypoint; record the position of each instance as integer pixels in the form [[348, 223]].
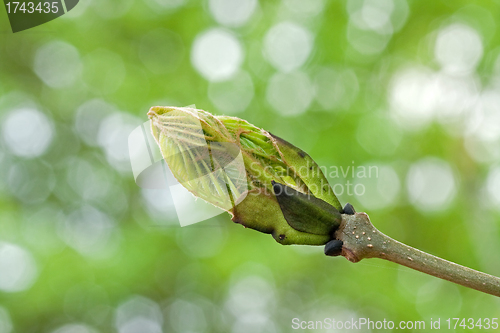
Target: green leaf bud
[[195, 143]]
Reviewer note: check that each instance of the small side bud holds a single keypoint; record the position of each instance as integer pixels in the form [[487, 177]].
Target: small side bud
[[349, 209], [333, 248]]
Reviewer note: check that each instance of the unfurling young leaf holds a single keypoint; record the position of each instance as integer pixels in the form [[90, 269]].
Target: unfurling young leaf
[[196, 143]]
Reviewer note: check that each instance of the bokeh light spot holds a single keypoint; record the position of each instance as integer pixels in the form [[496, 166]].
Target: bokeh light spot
[[232, 13], [250, 294], [290, 94], [75, 328], [140, 325], [31, 182], [39, 229], [160, 206], [493, 186], [88, 118], [217, 54], [254, 323], [410, 281], [449, 304], [305, 8], [458, 49], [88, 180], [335, 89], [456, 98], [381, 16], [431, 184], [234, 95], [27, 132], [88, 231], [5, 321], [251, 303], [373, 15], [287, 46], [484, 122], [418, 96], [139, 315], [367, 42], [482, 151], [413, 97], [186, 316], [379, 188], [18, 268], [113, 138], [57, 64]]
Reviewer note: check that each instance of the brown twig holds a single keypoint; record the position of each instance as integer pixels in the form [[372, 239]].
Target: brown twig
[[360, 240]]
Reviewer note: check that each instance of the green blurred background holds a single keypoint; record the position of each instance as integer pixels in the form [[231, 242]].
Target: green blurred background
[[409, 87]]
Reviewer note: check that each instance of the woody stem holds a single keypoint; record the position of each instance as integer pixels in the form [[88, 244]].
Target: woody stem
[[362, 240]]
